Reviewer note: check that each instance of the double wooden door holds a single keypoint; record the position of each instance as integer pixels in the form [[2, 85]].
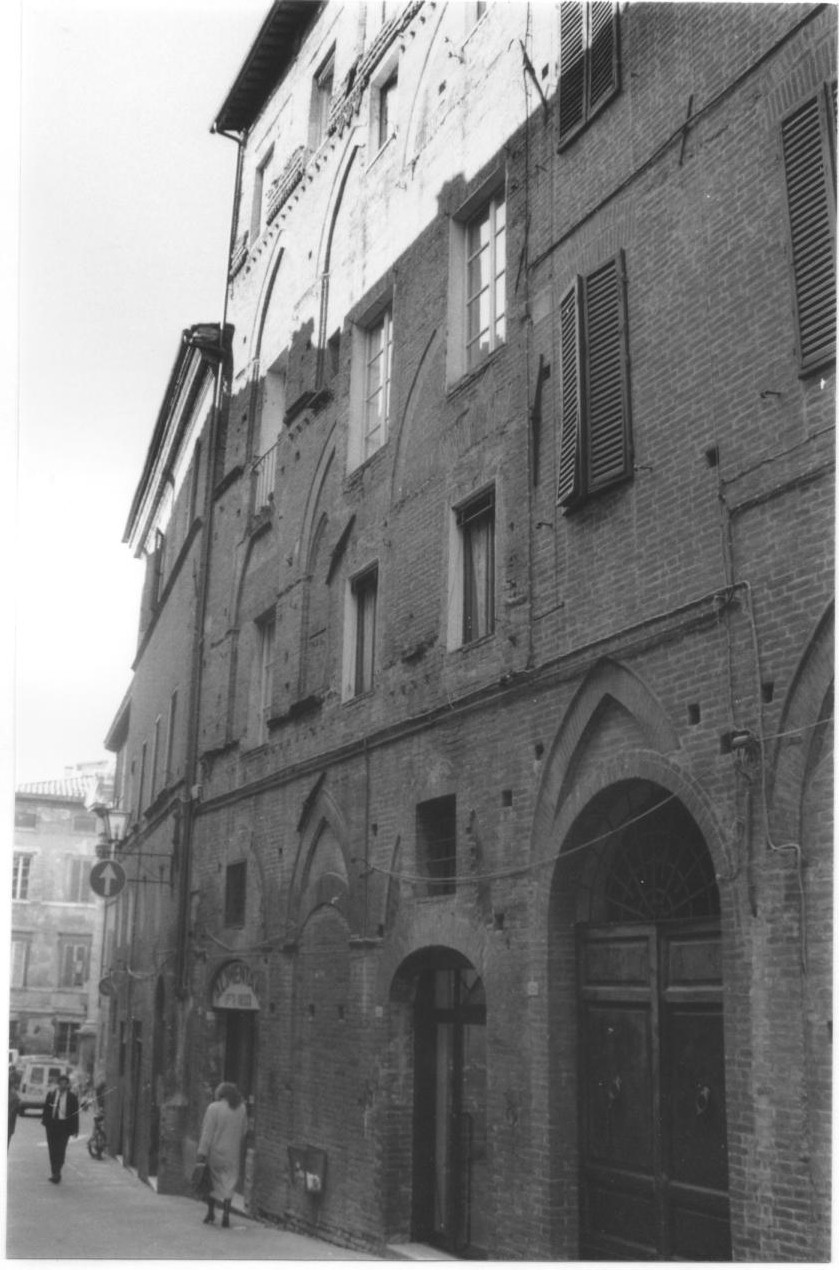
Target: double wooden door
[[654, 1170]]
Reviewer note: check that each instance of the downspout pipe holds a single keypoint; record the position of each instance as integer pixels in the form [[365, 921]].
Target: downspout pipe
[[221, 357]]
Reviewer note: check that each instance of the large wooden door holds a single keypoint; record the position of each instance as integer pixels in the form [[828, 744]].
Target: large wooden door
[[654, 1173]]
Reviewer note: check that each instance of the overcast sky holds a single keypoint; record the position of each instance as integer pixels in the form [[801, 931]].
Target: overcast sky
[[123, 224]]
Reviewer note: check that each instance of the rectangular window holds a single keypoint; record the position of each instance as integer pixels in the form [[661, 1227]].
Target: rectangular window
[[260, 188], [235, 892], [170, 738], [74, 964], [195, 486], [809, 146], [437, 843], [25, 819], [78, 880], [387, 109], [377, 372], [21, 865], [588, 62], [67, 1040], [85, 824], [365, 591], [595, 437], [157, 565], [486, 267], [155, 759], [20, 961], [142, 788], [321, 101], [264, 667], [476, 529]]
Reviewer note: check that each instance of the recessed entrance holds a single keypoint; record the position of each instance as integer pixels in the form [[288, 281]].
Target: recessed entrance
[[450, 1190], [653, 1169]]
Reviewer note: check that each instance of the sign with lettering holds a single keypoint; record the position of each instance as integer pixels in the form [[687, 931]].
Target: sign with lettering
[[234, 988]]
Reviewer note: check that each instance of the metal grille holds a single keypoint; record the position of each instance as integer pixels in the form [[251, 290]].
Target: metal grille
[[660, 872]]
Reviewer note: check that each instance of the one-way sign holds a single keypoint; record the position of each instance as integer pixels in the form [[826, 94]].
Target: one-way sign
[[107, 878]]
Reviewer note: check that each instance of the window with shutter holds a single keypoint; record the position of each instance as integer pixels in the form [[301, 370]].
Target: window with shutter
[[595, 449], [809, 148], [588, 62]]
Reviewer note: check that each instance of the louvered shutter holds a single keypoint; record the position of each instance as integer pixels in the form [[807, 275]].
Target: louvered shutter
[[570, 392], [607, 399], [572, 66], [603, 53], [812, 214]]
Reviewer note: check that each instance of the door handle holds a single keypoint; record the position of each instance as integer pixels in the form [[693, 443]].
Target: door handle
[[703, 1100]]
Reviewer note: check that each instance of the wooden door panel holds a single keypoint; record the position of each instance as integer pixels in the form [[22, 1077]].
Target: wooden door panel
[[620, 1215], [698, 1231], [618, 1086], [695, 1074]]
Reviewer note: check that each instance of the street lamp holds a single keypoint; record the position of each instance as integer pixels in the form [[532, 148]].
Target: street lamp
[[114, 825]]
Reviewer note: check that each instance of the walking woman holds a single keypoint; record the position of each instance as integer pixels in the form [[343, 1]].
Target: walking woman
[[222, 1135]]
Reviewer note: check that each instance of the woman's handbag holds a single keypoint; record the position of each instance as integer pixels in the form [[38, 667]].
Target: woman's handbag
[[201, 1178]]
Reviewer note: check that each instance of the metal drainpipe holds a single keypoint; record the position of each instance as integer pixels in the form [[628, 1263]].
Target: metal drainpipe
[[191, 766]]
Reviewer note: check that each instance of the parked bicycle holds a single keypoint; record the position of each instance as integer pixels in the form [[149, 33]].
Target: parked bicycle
[[97, 1142]]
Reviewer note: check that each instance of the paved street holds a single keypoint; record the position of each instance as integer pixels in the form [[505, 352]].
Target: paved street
[[103, 1211]]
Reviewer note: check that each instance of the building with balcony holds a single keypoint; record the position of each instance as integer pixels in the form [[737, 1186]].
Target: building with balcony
[[490, 570]]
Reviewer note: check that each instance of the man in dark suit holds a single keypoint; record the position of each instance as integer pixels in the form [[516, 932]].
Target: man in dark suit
[[61, 1119]]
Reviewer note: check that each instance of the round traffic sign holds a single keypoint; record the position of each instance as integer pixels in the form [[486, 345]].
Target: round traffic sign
[[107, 878]]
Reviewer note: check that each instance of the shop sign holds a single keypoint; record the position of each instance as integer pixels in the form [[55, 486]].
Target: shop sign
[[234, 988]]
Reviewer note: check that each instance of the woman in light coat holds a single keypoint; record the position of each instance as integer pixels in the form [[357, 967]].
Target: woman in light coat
[[222, 1134]]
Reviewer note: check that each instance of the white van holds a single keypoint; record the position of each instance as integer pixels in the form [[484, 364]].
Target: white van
[[38, 1075]]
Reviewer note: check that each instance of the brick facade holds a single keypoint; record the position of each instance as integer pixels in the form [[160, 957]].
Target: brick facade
[[633, 634]]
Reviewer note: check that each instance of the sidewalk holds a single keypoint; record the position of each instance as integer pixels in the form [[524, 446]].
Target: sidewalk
[[102, 1211]]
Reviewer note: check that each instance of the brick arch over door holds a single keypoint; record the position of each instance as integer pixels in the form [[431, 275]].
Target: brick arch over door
[[606, 684]]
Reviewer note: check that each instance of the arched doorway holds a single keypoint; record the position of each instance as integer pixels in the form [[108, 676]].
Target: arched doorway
[[653, 1169], [236, 1007], [450, 1182]]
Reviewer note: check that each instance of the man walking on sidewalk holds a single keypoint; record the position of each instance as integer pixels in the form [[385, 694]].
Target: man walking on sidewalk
[[61, 1120]]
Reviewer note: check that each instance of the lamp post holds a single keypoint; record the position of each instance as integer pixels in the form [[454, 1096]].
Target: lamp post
[[114, 825]]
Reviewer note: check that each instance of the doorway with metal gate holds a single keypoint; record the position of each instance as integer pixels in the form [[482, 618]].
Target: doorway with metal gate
[[450, 1170], [650, 1063]]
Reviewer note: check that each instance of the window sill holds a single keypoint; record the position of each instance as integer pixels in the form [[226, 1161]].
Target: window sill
[[480, 642], [469, 377], [356, 474], [381, 150]]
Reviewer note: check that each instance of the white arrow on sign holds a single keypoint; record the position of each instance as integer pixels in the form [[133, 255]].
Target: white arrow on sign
[[107, 878]]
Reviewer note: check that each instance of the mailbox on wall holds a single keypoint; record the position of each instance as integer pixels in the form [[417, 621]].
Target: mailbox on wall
[[307, 1166]]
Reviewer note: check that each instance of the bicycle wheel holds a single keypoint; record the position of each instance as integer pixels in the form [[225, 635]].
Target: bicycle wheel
[[95, 1146]]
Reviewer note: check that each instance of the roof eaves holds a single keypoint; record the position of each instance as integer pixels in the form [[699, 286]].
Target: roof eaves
[[270, 54]]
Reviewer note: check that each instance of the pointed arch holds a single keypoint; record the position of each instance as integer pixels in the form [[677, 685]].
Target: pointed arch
[[323, 871], [608, 687]]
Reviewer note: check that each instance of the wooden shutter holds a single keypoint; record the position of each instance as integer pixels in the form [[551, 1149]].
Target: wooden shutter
[[812, 214], [572, 67], [603, 52], [570, 395], [607, 399]]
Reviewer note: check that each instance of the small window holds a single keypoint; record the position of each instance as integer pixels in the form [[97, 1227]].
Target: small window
[[84, 823], [437, 843], [588, 62], [486, 267], [595, 436], [364, 591], [169, 771], [157, 565], [67, 1040], [475, 564], [260, 188], [321, 101], [809, 146], [21, 866], [26, 819], [235, 894], [263, 689], [74, 961], [141, 792], [386, 109], [78, 880], [377, 371], [155, 757], [20, 962]]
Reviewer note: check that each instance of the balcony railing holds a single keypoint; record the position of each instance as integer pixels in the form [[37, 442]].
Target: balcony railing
[[264, 476]]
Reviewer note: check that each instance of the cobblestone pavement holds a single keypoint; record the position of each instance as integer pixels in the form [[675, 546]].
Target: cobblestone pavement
[[102, 1211]]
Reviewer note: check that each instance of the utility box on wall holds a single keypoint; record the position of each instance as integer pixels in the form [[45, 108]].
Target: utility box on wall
[[307, 1166]]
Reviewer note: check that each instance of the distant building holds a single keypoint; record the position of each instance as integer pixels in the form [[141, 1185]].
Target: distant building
[[56, 918], [479, 749]]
